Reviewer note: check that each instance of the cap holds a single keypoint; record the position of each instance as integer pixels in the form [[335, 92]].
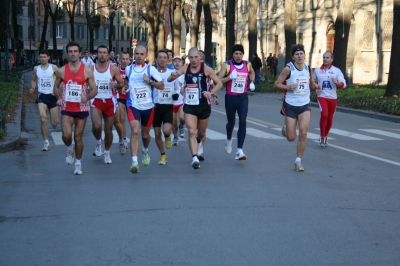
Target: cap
[[176, 57]]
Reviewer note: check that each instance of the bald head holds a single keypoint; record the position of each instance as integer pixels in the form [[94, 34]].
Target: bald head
[[140, 54], [194, 56]]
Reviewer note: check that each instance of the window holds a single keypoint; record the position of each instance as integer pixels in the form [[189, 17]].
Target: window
[[96, 33], [113, 32], [387, 30], [274, 5], [368, 36], [300, 5], [128, 32], [106, 32], [300, 38], [315, 4], [146, 34], [244, 7], [31, 32], [31, 9], [81, 31], [122, 37], [264, 4], [80, 9], [61, 31], [20, 32]]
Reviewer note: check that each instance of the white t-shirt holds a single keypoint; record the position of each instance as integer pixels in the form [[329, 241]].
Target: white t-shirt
[[165, 96], [300, 96], [324, 77], [87, 62]]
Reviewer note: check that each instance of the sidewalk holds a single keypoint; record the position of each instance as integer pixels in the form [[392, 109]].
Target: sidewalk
[[14, 139]]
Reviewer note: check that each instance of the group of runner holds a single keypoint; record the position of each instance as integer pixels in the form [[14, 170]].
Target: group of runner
[[167, 99]]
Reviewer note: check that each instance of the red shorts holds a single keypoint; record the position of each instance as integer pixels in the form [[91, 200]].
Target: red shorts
[[107, 106], [176, 108]]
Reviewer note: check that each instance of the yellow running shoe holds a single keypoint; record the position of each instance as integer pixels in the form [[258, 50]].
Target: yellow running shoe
[[163, 160], [168, 142]]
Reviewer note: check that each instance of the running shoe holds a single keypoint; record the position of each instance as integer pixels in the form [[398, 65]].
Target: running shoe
[[78, 169], [240, 155], [107, 158], [163, 160], [134, 167], [70, 156], [168, 143], [146, 158], [123, 147], [200, 154], [195, 162], [283, 130], [98, 150], [46, 146], [181, 132], [321, 141], [298, 167], [326, 141], [175, 141], [228, 146]]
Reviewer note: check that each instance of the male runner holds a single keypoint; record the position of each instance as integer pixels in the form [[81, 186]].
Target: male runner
[[104, 104], [45, 74], [86, 60], [120, 114], [329, 79], [178, 106], [170, 65], [141, 77], [295, 79], [113, 59], [164, 101], [197, 99], [236, 74], [74, 102]]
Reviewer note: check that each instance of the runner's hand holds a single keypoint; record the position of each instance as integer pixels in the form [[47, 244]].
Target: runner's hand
[[252, 87], [233, 75], [146, 78], [84, 99]]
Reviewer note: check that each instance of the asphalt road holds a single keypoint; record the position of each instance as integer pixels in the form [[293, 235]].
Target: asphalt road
[[343, 210]]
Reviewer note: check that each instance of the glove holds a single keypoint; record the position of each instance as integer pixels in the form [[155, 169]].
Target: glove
[[233, 75], [252, 87], [175, 96]]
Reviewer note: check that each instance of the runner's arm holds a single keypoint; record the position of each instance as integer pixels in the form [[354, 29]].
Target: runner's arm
[[117, 76], [34, 80], [92, 84], [222, 74], [176, 74], [217, 82], [282, 78]]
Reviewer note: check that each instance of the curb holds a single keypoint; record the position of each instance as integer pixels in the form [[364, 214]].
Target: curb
[[13, 139]]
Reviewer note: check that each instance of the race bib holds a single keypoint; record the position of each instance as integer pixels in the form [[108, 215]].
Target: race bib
[[103, 87], [142, 95], [165, 96], [326, 85], [302, 86], [192, 94], [73, 93], [239, 83], [45, 85]]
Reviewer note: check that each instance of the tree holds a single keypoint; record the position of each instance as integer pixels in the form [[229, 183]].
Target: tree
[[151, 15], [45, 21], [196, 24], [55, 11], [230, 26], [252, 37], [290, 27], [70, 6], [177, 26], [342, 29], [393, 86], [208, 28], [160, 25]]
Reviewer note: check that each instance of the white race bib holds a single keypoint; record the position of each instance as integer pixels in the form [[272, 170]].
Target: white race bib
[[239, 83], [165, 96], [103, 87], [302, 86], [192, 94], [142, 95], [45, 85], [73, 93]]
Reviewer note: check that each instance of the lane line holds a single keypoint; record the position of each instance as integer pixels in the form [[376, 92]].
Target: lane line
[[247, 120], [309, 134], [351, 134], [261, 134], [383, 133]]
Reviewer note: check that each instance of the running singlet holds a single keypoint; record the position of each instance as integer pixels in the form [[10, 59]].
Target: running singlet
[[165, 96], [45, 79], [300, 96], [120, 95], [74, 86], [195, 84], [103, 80], [324, 77], [240, 84]]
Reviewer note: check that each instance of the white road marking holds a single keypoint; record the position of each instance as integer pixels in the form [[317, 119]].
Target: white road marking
[[214, 135], [383, 133], [309, 134], [351, 134], [57, 138], [261, 134], [247, 121]]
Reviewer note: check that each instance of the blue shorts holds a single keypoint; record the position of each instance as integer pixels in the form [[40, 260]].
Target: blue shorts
[[144, 116], [76, 115], [47, 99]]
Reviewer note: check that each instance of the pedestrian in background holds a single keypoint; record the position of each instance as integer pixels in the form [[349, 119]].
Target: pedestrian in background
[[257, 65]]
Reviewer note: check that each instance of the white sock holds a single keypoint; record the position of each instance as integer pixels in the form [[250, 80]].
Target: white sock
[[134, 158], [71, 147], [99, 141], [298, 159], [106, 152], [145, 150], [77, 162], [46, 141]]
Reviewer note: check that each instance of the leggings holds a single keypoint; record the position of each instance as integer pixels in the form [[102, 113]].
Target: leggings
[[328, 109], [240, 104]]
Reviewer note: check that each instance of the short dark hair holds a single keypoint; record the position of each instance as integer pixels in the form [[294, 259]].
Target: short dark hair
[[297, 47], [162, 51], [70, 44], [44, 52], [125, 53], [255, 54], [102, 46]]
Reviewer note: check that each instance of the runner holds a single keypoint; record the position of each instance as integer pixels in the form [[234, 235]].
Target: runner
[[197, 99], [120, 114], [113, 59], [164, 100], [329, 79], [170, 65], [295, 79], [104, 105], [45, 74], [236, 74], [178, 106], [87, 60], [74, 102], [141, 77]]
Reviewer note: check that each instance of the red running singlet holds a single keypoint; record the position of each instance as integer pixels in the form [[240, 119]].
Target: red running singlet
[[74, 86]]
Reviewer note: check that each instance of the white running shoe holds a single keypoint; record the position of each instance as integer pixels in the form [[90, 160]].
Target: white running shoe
[[46, 146], [123, 147], [195, 162], [175, 141], [70, 156], [200, 154], [283, 131], [228, 146], [98, 150], [240, 155], [181, 132], [321, 141], [107, 158], [78, 169]]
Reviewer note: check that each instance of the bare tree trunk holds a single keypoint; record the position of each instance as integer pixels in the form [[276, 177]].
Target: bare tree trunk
[[177, 26], [230, 27], [160, 26], [151, 44], [45, 22], [89, 24], [393, 86], [71, 7], [252, 28], [290, 27], [54, 30], [111, 30], [196, 24], [208, 27], [342, 29]]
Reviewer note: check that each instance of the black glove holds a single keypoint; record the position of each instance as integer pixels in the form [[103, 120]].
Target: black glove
[[175, 96]]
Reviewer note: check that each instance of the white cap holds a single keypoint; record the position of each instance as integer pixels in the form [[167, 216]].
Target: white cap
[[177, 57]]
